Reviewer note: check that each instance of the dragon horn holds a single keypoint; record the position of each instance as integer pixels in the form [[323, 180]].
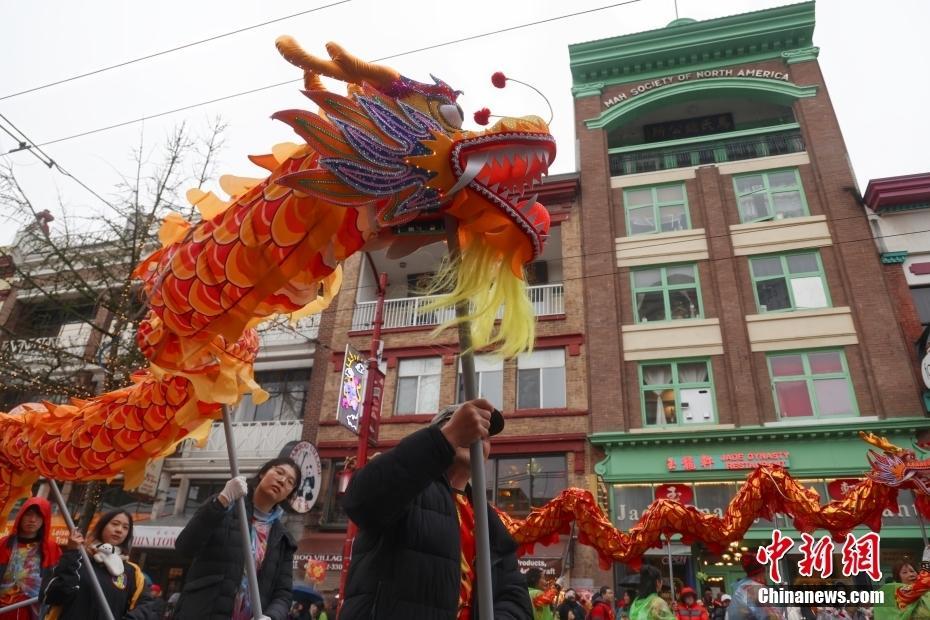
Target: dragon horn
[[343, 66], [880, 442]]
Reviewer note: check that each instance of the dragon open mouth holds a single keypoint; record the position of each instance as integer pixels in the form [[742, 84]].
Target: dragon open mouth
[[504, 166]]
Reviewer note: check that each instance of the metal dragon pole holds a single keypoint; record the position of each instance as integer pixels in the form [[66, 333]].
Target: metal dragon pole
[[671, 573], [19, 605], [255, 598], [478, 498], [98, 591]]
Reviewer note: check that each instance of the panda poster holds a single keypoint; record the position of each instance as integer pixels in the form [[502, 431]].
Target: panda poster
[[352, 390]]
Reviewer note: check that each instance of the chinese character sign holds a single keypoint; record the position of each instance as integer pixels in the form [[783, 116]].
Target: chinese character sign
[[727, 460], [352, 392], [859, 555], [681, 493], [772, 553]]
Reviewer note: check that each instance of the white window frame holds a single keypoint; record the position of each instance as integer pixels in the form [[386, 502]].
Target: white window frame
[[484, 364], [421, 407], [540, 359]]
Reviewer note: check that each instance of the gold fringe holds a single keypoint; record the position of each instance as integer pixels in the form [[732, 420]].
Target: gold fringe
[[484, 278]]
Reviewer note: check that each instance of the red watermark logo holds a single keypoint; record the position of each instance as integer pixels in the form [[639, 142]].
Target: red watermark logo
[[858, 555]]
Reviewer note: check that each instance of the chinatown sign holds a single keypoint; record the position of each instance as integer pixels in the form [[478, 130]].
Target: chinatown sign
[[727, 460], [695, 75]]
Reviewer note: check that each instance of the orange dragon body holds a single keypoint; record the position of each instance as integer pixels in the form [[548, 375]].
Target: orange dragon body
[[385, 166]]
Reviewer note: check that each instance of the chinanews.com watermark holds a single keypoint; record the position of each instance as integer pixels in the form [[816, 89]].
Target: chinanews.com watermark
[[857, 556], [826, 596]]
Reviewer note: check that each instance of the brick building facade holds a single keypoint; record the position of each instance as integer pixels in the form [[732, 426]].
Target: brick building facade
[[898, 207], [734, 302], [543, 395]]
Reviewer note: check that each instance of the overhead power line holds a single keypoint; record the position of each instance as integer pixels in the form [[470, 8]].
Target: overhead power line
[[167, 51], [25, 144], [383, 58]]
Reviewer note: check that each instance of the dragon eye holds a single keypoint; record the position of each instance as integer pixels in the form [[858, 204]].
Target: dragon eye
[[452, 114]]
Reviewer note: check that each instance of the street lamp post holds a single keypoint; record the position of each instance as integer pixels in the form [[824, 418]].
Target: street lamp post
[[365, 423]]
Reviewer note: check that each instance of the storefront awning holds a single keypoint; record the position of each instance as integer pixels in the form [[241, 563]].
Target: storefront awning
[[157, 534]]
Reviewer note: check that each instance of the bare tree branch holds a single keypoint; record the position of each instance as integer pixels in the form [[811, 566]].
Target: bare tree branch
[[68, 327]]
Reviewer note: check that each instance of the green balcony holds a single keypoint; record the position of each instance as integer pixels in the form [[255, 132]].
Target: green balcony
[[733, 146]]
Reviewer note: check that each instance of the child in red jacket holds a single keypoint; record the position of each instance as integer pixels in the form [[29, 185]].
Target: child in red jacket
[[689, 608], [26, 555]]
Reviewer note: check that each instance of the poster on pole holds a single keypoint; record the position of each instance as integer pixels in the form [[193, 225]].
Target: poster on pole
[[149, 486], [352, 390], [307, 458]]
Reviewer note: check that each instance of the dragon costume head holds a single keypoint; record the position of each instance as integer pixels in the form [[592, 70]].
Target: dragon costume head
[[394, 149]]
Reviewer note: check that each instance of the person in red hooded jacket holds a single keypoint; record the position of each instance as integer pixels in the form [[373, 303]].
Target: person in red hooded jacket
[[689, 608], [26, 556]]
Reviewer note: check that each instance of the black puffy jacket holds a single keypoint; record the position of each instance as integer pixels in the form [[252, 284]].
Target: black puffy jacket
[[213, 540], [70, 594], [406, 560]]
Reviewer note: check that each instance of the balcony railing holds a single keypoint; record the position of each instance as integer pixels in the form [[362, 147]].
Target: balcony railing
[[69, 344], [254, 440], [711, 152], [547, 300]]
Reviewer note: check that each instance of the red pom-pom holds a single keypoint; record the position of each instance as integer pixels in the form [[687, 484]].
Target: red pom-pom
[[499, 79], [482, 116]]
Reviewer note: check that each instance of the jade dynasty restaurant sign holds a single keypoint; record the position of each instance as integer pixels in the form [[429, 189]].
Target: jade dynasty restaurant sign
[[727, 460]]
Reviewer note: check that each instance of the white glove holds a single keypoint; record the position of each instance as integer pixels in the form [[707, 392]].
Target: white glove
[[234, 489], [264, 617]]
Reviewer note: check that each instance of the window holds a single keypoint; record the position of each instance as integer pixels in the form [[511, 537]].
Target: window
[[663, 208], [199, 492], [677, 393], [418, 386], [921, 296], [666, 293], [517, 485], [541, 379], [770, 195], [46, 320], [490, 378], [287, 395], [789, 282], [333, 514], [812, 384], [112, 497]]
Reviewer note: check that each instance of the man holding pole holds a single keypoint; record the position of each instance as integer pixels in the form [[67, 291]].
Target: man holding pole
[[414, 556]]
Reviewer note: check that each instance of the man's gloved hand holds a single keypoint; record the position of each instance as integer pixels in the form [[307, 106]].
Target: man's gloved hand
[[234, 489], [263, 616]]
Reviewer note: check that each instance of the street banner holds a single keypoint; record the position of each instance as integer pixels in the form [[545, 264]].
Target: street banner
[[352, 390]]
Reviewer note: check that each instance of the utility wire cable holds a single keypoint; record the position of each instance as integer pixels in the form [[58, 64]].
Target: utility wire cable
[[25, 144], [300, 80], [167, 51]]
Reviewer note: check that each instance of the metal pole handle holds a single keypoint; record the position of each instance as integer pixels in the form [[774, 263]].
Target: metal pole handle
[[98, 591], [19, 605], [255, 598], [479, 499]]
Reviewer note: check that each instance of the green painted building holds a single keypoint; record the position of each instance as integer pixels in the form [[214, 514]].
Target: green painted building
[[736, 309]]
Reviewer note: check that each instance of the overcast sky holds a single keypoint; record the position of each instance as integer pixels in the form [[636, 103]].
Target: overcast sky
[[874, 57]]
